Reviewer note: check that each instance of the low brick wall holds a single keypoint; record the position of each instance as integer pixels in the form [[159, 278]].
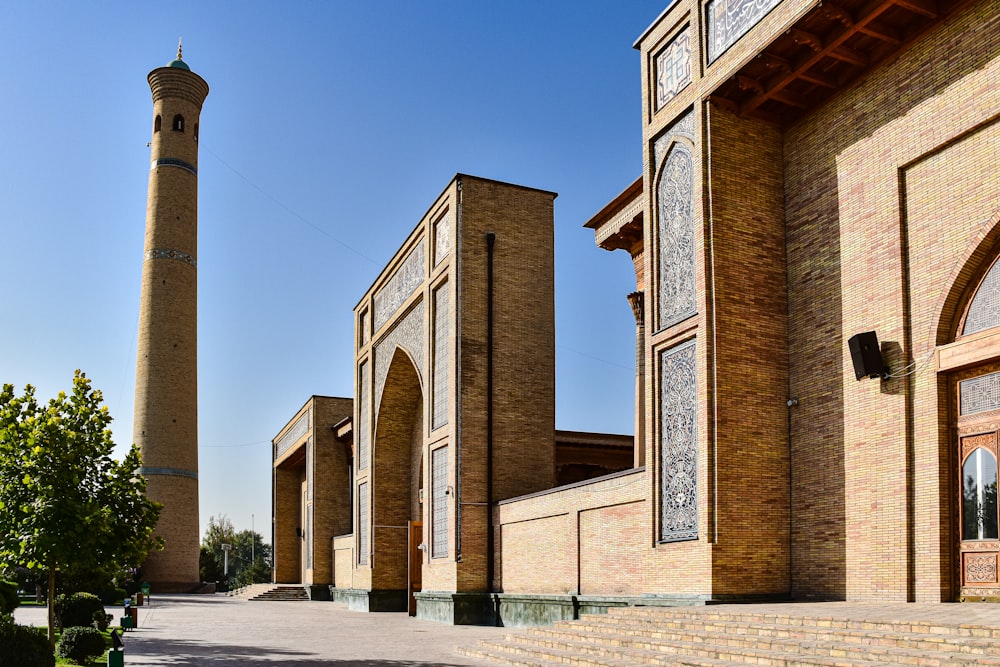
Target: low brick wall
[[580, 539]]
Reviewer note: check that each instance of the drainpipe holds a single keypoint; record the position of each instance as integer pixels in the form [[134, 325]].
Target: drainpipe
[[490, 556]]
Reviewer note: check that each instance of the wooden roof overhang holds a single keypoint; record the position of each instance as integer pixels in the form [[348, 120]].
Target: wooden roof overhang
[[825, 51]]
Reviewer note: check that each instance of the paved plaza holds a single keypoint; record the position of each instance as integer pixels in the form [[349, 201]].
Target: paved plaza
[[182, 630]]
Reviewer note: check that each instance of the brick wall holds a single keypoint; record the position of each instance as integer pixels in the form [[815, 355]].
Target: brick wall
[[586, 538], [890, 188]]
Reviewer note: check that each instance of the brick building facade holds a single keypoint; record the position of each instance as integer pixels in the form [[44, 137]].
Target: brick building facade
[[811, 171]]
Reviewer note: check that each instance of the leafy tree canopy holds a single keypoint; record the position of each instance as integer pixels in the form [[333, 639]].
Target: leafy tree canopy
[[249, 556], [65, 504]]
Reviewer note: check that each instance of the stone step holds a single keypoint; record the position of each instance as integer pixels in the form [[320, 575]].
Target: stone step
[[281, 594], [547, 654], [657, 615], [715, 638], [747, 633], [720, 645]]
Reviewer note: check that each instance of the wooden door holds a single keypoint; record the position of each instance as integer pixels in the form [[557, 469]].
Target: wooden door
[[415, 564], [977, 456]]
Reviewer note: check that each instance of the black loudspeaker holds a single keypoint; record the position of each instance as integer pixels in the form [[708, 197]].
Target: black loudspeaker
[[866, 355]]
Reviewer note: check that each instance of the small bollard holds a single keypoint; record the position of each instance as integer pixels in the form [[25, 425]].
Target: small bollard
[[116, 656]]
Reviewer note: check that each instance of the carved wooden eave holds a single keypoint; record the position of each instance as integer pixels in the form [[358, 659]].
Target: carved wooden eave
[[618, 226], [824, 52]]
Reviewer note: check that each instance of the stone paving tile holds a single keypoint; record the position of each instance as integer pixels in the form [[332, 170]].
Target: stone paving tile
[[183, 631]]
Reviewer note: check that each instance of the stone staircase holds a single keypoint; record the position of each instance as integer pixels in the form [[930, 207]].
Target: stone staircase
[[279, 592], [715, 637]]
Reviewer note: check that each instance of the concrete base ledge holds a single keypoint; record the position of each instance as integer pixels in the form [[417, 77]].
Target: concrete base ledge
[[456, 608], [374, 601], [518, 609], [319, 592]]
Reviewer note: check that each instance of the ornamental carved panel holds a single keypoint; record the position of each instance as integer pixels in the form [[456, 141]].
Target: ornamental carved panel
[[673, 68], [676, 229], [980, 568], [408, 334], [679, 443], [400, 286], [728, 20]]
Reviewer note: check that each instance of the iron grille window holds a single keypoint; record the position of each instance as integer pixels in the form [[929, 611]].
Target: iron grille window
[[439, 502], [440, 374], [363, 384], [363, 523], [979, 394], [984, 310]]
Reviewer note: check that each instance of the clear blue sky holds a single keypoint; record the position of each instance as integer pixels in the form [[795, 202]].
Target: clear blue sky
[[329, 129]]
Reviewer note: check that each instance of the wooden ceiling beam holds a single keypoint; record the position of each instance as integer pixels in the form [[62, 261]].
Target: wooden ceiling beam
[[926, 8], [830, 45]]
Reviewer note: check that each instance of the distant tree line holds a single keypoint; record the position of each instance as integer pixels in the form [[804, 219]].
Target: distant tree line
[[250, 558]]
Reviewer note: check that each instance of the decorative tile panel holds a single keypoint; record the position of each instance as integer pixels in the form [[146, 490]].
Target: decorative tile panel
[[440, 361], [363, 428], [169, 253], [980, 568], [673, 68], [173, 162], [728, 20], [677, 292], [408, 334], [363, 528], [679, 443], [439, 502], [363, 328], [682, 127], [400, 286], [298, 429], [984, 311], [979, 394], [442, 238]]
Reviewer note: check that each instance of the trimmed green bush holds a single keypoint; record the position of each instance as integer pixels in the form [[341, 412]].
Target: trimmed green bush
[[102, 620], [112, 597], [80, 644], [8, 596], [77, 609], [21, 646]]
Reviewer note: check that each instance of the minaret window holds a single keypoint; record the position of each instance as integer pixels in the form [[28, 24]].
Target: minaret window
[[196, 131], [178, 123], [156, 124]]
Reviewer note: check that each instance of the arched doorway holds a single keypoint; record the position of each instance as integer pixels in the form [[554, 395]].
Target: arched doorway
[[396, 474], [974, 392]]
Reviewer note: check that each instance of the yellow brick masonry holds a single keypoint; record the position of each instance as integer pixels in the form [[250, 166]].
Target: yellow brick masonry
[[166, 391], [891, 190]]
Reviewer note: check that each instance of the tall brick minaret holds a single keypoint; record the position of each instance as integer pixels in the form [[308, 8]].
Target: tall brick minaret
[[166, 378]]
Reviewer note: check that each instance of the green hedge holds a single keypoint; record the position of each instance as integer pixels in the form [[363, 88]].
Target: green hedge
[[21, 646], [8, 596], [80, 644], [77, 609]]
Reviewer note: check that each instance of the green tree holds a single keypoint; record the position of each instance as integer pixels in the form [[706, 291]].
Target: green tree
[[249, 556], [65, 504]]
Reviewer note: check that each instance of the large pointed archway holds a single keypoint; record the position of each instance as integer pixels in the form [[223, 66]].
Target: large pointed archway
[[970, 357], [396, 472]]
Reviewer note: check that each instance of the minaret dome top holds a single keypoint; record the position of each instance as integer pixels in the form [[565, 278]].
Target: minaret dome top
[[179, 61]]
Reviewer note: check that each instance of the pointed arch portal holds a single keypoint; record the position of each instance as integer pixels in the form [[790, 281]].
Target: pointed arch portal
[[396, 472]]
